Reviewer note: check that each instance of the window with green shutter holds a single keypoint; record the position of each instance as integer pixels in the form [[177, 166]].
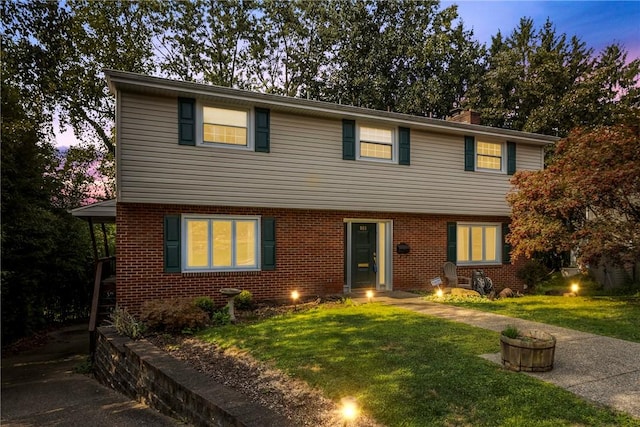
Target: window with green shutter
[[262, 137], [186, 121], [511, 157], [404, 146], [268, 243], [223, 126], [506, 247], [199, 243], [469, 153], [452, 241], [172, 250], [348, 139]]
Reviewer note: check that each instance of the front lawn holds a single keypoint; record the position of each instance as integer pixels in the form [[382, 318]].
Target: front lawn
[[614, 316], [408, 369]]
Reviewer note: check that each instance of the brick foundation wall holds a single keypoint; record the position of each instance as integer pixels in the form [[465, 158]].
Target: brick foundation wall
[[309, 252]]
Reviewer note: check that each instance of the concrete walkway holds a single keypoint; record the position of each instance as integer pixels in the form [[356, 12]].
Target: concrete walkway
[[40, 388], [601, 369]]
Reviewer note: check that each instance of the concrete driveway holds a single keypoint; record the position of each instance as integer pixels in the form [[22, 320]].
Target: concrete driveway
[[40, 388]]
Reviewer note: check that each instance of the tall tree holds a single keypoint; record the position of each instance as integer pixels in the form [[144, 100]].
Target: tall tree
[[588, 199], [402, 56], [45, 253], [208, 41], [62, 48], [295, 45], [539, 81]]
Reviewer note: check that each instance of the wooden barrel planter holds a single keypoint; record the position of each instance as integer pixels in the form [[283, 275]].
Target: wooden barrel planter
[[530, 352]]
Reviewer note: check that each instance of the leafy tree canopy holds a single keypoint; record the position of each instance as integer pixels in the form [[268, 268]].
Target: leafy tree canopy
[[588, 199], [539, 81]]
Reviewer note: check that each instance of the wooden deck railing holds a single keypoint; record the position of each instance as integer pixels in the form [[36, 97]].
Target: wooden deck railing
[[104, 268]]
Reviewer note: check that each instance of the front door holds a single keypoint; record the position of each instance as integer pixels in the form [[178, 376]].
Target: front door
[[363, 255]]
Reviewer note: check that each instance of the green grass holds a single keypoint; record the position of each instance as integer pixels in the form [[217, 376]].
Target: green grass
[[408, 369], [613, 316]]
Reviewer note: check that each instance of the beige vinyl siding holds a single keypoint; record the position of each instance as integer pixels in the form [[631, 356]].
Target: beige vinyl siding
[[303, 170]]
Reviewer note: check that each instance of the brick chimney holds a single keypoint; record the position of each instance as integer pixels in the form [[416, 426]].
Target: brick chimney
[[459, 115]]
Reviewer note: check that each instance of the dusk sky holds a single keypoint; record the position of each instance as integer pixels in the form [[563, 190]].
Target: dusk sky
[[597, 23]]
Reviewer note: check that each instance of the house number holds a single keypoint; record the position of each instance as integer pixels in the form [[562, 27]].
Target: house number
[[363, 228]]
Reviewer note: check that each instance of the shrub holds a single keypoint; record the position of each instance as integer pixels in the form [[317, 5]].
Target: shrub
[[511, 332], [221, 317], [205, 304], [532, 272], [244, 300], [174, 315], [126, 324]]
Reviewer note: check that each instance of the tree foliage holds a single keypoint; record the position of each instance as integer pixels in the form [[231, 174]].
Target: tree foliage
[[61, 49], [588, 199], [539, 81], [45, 252], [406, 56]]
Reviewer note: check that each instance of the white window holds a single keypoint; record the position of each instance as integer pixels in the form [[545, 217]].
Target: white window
[[376, 143], [479, 243], [225, 126], [220, 243], [489, 156]]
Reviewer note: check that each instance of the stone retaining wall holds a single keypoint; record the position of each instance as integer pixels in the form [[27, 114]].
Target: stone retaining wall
[[143, 372]]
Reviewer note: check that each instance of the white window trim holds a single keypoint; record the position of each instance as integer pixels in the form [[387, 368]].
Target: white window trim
[[498, 226], [200, 125], [183, 249], [394, 143], [503, 157]]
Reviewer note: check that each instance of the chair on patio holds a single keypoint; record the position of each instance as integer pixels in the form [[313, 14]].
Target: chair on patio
[[452, 278]]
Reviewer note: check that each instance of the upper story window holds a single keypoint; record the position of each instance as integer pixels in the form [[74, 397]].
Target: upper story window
[[376, 143], [489, 156], [225, 126], [479, 243], [211, 125]]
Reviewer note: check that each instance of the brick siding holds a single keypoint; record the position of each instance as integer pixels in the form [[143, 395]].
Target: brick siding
[[309, 252]]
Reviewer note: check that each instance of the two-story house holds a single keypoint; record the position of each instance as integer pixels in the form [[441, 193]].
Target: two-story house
[[219, 187]]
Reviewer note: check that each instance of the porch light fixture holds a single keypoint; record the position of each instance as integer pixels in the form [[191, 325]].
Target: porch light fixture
[[575, 288], [349, 409], [369, 295]]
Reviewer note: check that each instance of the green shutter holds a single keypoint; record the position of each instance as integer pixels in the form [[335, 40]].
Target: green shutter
[[262, 138], [511, 157], [506, 247], [186, 121], [404, 146], [348, 139], [469, 153], [172, 235], [268, 243], [452, 241]]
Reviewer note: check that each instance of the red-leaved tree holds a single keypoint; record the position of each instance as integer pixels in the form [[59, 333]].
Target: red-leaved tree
[[587, 199]]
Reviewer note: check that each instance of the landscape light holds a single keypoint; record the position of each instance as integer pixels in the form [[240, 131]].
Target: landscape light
[[369, 295], [575, 288], [439, 293], [294, 296], [349, 409]]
